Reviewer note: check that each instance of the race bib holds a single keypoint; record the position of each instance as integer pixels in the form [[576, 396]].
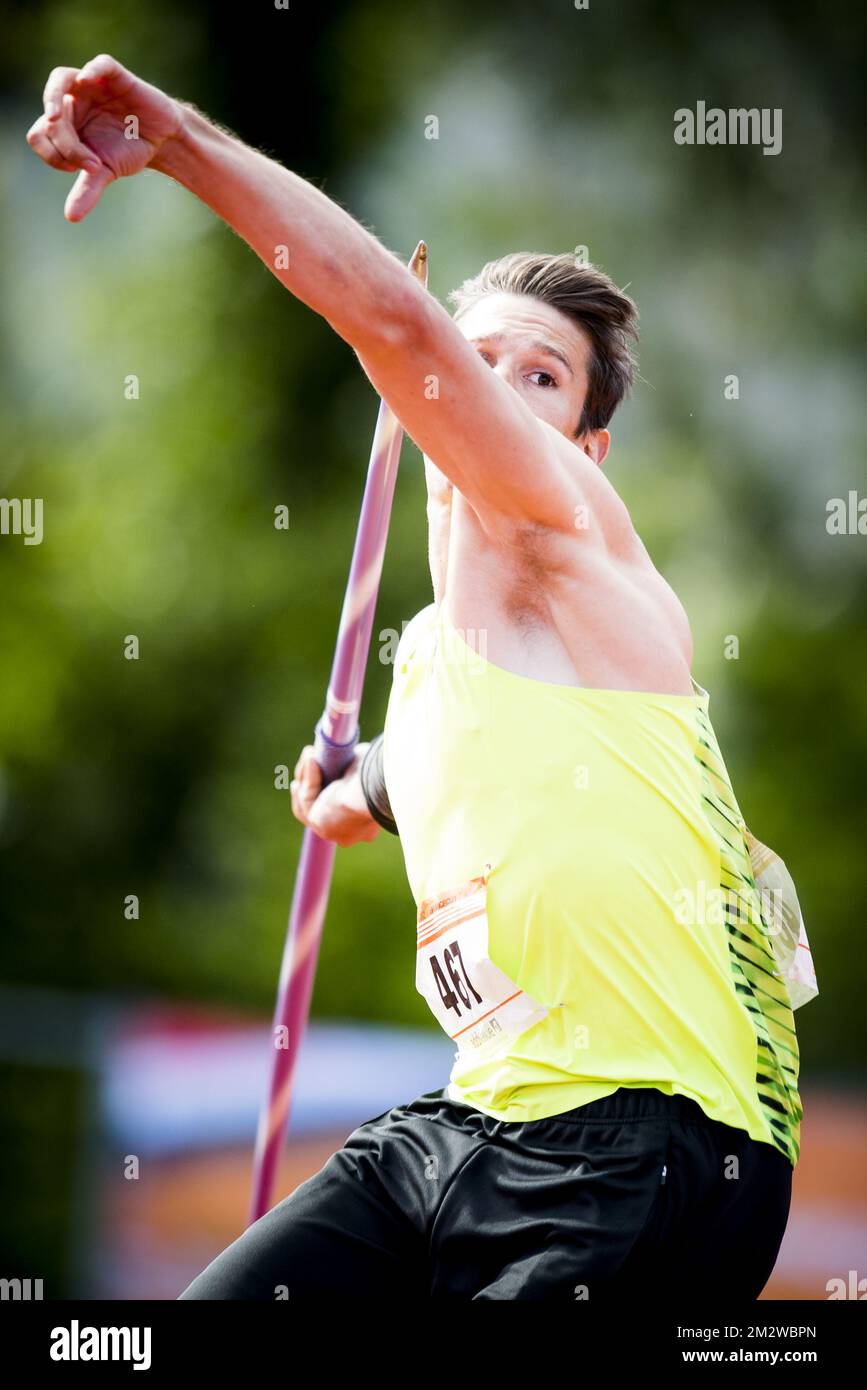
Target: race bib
[[470, 997]]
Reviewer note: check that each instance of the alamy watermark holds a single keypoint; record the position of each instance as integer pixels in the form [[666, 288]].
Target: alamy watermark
[[736, 126], [464, 652], [22, 516], [20, 1290], [77, 1343], [711, 905]]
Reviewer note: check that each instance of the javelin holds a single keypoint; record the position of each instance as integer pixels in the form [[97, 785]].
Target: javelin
[[334, 745]]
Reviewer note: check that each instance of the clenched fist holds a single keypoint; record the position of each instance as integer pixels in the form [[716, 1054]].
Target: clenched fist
[[104, 123], [339, 812]]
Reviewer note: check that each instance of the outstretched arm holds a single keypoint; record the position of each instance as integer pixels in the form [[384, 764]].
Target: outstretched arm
[[105, 122], [108, 123]]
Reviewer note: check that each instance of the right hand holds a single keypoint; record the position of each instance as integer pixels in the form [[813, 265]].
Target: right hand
[[86, 128], [339, 812]]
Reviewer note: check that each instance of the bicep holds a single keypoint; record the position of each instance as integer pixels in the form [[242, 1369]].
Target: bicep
[[471, 424]]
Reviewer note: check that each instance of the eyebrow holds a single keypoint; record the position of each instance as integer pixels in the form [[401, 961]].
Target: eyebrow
[[538, 344]]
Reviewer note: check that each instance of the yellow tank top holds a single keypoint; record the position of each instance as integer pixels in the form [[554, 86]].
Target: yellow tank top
[[586, 911]]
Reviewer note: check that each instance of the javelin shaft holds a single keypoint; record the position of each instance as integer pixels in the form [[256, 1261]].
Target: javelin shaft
[[334, 742]]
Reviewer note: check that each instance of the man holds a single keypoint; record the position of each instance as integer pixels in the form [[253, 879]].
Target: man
[[622, 1118]]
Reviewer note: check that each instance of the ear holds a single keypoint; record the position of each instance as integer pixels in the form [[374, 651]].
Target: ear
[[596, 444]]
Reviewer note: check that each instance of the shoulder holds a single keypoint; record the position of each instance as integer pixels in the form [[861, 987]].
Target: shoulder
[[596, 512]]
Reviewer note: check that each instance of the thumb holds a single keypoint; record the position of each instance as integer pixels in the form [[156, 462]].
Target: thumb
[[86, 192]]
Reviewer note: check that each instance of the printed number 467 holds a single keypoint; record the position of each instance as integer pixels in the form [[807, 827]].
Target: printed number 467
[[461, 989]]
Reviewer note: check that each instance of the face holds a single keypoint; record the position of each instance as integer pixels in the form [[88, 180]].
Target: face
[[542, 354]]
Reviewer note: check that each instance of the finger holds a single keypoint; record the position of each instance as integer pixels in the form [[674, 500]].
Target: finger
[[310, 785], [63, 135], [86, 193], [303, 756], [308, 775], [100, 71], [60, 80], [42, 145], [65, 163], [323, 823], [296, 806]]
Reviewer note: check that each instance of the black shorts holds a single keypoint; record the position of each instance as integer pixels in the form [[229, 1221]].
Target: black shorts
[[638, 1194]]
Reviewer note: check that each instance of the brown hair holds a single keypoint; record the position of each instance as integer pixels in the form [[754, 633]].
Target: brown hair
[[586, 295]]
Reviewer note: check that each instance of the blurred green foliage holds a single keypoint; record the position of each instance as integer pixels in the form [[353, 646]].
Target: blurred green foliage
[[155, 777]]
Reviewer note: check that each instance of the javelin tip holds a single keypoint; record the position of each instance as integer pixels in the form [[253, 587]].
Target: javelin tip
[[418, 263]]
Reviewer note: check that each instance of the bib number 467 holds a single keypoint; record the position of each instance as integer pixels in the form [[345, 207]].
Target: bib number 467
[[478, 1005], [454, 983]]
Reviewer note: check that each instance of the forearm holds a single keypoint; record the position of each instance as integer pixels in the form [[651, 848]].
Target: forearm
[[330, 261]]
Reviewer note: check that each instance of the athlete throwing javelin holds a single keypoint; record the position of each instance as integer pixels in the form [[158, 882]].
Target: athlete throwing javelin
[[622, 1117]]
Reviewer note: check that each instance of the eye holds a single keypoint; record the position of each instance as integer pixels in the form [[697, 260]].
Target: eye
[[485, 356], [551, 381]]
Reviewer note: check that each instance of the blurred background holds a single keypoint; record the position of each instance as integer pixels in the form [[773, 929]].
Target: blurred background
[[147, 1036]]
